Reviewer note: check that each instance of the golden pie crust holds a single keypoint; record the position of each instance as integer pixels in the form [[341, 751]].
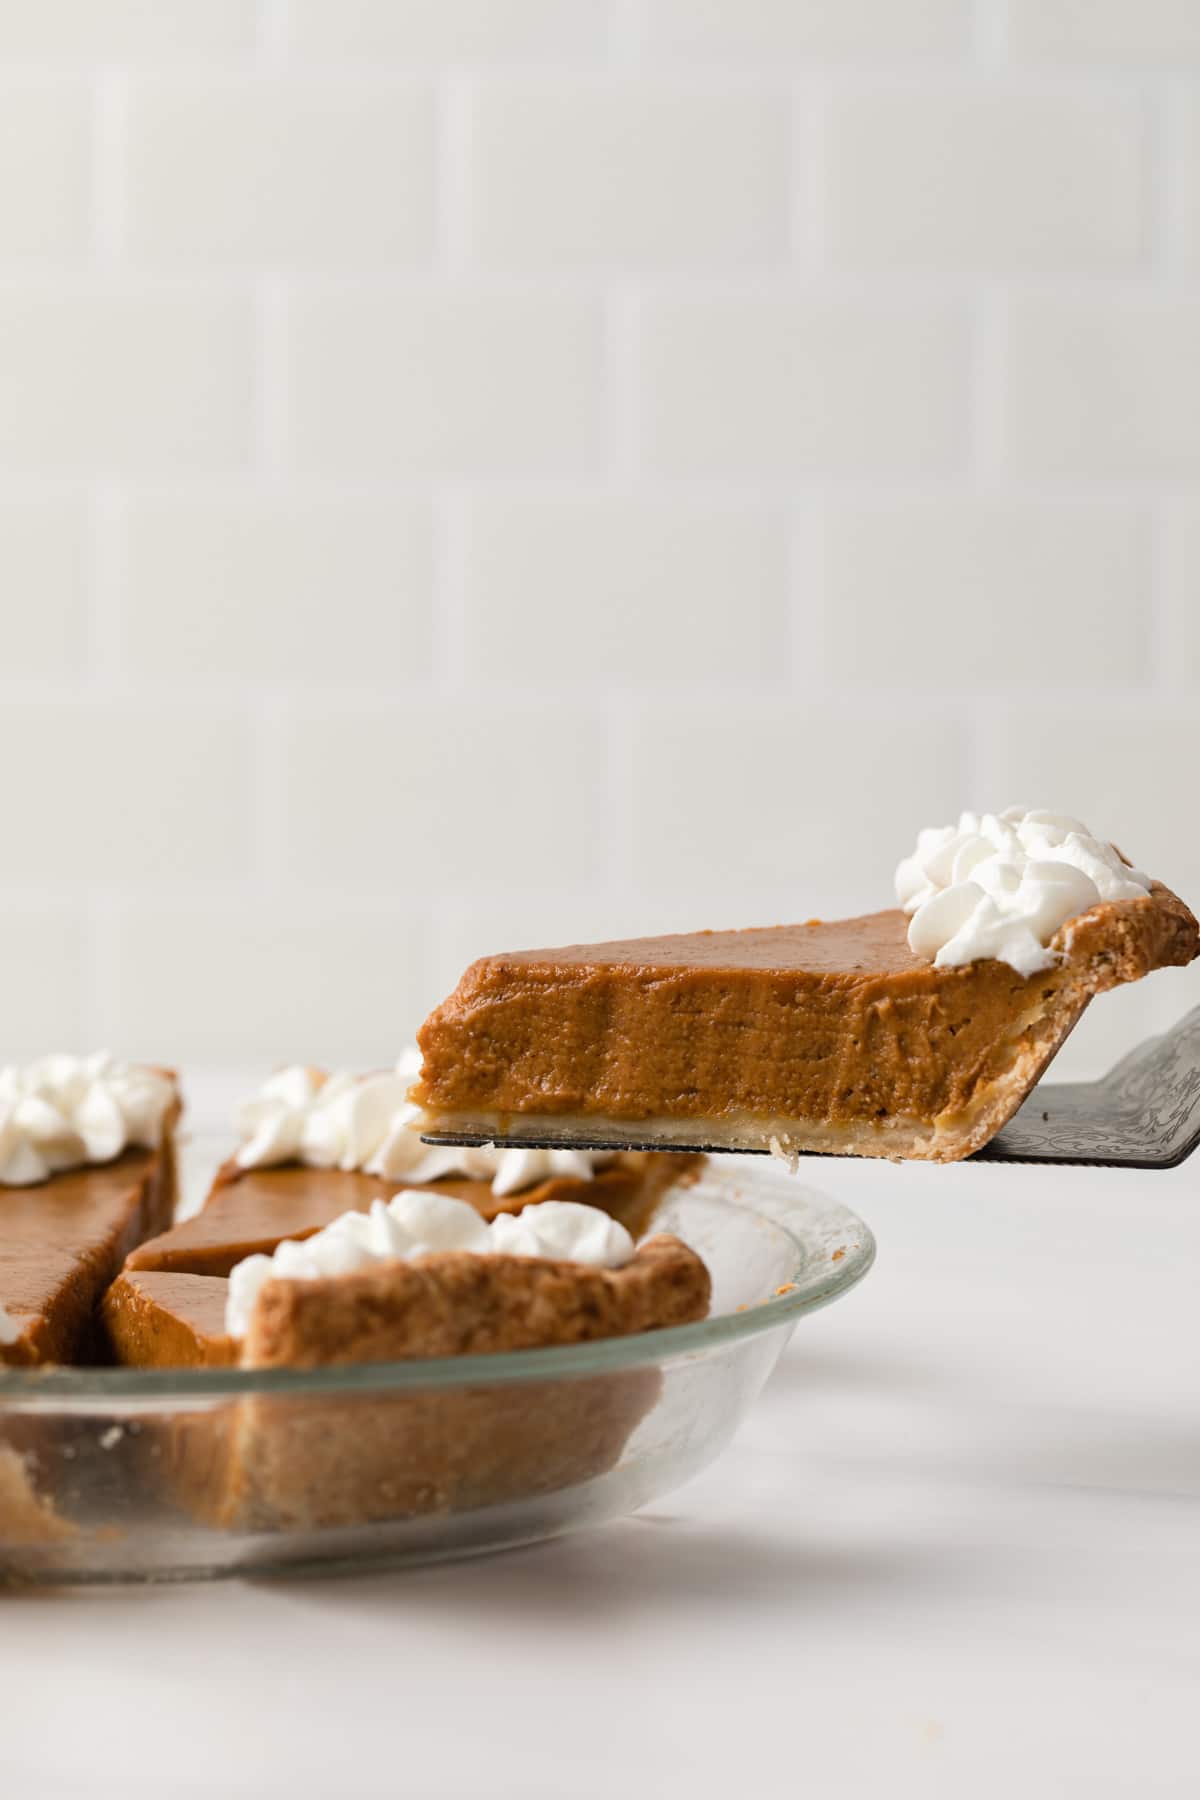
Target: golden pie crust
[[455, 1304]]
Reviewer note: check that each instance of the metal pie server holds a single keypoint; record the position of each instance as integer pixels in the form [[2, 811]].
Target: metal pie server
[[1144, 1114]]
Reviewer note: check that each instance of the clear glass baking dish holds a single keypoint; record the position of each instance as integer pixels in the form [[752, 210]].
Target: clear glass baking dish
[[109, 1475]]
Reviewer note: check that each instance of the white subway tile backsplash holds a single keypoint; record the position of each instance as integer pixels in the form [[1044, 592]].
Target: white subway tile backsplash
[[809, 802], [946, 594], [43, 577], [280, 172], [588, 174], [1127, 773], [45, 172], [480, 472], [127, 791], [102, 381], [448, 382], [776, 386], [44, 975], [764, 32], [260, 588], [611, 591], [1117, 31], [333, 986], [73, 31], [956, 176], [428, 797], [1103, 387], [485, 32]]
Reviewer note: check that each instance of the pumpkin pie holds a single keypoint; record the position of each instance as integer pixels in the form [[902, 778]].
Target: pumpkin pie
[[419, 1277], [911, 1032], [87, 1170], [447, 1304]]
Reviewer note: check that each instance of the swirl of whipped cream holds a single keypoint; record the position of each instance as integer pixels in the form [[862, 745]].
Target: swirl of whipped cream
[[420, 1224], [62, 1112], [367, 1122], [10, 1329], [1002, 884]]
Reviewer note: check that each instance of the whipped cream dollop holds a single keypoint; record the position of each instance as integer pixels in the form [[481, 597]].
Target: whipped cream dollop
[[368, 1122], [10, 1329], [419, 1224], [61, 1112], [1002, 884]]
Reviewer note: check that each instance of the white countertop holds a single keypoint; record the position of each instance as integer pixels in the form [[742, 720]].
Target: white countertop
[[955, 1551]]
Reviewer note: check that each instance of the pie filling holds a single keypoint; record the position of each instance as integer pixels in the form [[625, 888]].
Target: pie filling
[[250, 1211], [88, 1170], [164, 1316]]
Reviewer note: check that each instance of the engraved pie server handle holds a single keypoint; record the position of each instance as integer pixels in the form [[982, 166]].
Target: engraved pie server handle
[[1144, 1114]]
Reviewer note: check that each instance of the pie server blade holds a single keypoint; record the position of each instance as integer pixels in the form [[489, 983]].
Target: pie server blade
[[1144, 1114]]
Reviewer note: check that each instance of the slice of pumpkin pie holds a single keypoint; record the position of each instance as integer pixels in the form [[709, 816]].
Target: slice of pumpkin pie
[[87, 1170], [420, 1276], [912, 1032]]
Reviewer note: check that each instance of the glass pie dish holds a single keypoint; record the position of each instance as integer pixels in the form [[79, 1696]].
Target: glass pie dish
[[122, 1474]]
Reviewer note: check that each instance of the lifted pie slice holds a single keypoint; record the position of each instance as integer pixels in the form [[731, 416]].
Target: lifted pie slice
[[885, 1035]]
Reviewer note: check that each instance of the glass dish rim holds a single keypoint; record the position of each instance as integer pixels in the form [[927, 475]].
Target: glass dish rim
[[816, 1282]]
